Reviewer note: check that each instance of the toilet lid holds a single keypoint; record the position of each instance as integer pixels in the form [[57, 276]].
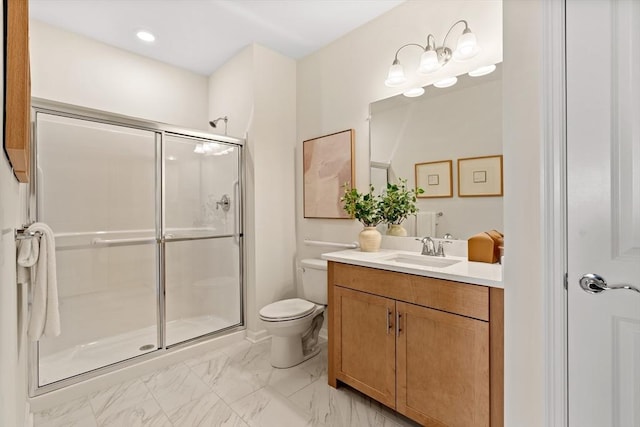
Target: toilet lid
[[287, 309]]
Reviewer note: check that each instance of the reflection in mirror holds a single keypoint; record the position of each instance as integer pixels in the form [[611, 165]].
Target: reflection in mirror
[[461, 121]]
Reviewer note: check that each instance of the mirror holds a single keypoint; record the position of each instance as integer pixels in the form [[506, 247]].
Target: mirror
[[462, 121]]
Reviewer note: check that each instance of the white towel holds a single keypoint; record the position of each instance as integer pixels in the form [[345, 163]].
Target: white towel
[[426, 224], [40, 255]]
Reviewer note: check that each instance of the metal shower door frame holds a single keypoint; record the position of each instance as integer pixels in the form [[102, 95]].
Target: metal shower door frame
[[160, 131]]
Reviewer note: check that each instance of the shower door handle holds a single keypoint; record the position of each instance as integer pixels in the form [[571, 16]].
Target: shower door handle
[[123, 242], [236, 230]]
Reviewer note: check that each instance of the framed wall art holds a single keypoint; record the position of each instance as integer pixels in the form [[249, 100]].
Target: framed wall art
[[480, 176], [328, 163], [435, 178]]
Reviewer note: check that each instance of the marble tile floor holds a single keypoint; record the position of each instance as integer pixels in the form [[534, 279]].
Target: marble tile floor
[[235, 386]]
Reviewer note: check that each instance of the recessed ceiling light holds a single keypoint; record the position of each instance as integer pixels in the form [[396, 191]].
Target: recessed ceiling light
[[449, 81], [145, 36], [413, 92], [482, 71]]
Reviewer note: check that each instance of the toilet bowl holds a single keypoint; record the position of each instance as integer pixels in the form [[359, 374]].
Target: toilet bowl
[[295, 323]]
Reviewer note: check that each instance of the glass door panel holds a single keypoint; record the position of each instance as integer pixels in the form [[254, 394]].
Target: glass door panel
[[202, 237], [202, 287], [201, 187], [96, 189]]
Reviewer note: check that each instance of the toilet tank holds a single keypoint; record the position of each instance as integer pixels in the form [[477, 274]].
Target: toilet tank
[[314, 280]]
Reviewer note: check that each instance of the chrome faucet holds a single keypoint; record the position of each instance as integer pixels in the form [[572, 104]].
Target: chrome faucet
[[428, 247]]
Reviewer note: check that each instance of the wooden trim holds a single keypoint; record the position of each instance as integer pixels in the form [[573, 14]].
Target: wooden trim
[[454, 297], [17, 120], [331, 327], [496, 355]]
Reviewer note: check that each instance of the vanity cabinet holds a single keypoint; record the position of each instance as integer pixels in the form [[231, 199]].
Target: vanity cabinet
[[431, 349]]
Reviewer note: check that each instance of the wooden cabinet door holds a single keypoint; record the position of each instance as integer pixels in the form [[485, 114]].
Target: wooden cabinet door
[[443, 368], [365, 349]]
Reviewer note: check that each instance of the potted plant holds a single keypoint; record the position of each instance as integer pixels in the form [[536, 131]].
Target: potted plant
[[397, 203], [365, 207]]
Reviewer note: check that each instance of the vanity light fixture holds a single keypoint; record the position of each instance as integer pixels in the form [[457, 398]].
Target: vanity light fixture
[[434, 57], [446, 82], [414, 92], [483, 71], [146, 36]]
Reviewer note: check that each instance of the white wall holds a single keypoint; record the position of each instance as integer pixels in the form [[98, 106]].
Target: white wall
[[13, 351], [337, 83], [257, 90], [70, 68], [13, 382], [524, 290]]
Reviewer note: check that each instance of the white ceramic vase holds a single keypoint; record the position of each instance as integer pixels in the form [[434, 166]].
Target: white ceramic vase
[[396, 230], [370, 239]]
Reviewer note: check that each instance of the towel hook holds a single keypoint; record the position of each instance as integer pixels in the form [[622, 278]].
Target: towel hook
[[23, 233]]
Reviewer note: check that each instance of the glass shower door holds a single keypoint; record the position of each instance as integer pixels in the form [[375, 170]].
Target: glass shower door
[[202, 234], [96, 188]]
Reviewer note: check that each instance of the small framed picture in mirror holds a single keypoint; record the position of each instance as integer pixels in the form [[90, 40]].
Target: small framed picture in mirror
[[435, 178], [480, 176]]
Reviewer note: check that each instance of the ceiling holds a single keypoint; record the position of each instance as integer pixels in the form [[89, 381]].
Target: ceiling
[[201, 35]]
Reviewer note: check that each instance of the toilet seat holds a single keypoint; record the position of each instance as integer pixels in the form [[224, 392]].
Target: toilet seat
[[288, 309]]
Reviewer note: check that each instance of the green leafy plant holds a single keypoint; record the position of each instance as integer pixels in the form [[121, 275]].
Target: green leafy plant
[[365, 207], [397, 202]]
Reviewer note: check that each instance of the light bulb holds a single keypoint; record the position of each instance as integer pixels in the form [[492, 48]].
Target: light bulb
[[482, 71], [446, 82], [467, 46], [414, 92], [428, 62], [396, 75], [145, 36]]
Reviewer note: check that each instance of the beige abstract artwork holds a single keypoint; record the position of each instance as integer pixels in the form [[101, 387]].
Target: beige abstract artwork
[[328, 165]]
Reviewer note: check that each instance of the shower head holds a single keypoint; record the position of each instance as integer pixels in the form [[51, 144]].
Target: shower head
[[214, 123]]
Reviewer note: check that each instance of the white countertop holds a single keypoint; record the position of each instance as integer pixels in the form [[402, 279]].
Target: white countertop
[[476, 273]]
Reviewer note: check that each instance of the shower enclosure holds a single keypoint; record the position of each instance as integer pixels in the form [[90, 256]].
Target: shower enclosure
[[148, 227]]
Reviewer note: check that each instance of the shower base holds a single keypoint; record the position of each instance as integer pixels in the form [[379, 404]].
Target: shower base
[[97, 354]]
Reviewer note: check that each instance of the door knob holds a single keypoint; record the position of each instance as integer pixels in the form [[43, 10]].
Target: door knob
[[595, 284]]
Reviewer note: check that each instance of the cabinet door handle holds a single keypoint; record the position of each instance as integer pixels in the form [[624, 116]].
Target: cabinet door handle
[[398, 319], [389, 323]]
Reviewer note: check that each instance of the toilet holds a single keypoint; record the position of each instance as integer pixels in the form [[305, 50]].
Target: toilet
[[295, 323]]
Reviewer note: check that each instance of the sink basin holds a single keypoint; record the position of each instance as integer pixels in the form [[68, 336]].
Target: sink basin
[[423, 260]]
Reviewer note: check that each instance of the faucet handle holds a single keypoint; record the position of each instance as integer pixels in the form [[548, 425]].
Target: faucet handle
[[441, 243]]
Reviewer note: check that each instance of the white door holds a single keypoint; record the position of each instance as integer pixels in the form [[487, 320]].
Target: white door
[[603, 137]]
